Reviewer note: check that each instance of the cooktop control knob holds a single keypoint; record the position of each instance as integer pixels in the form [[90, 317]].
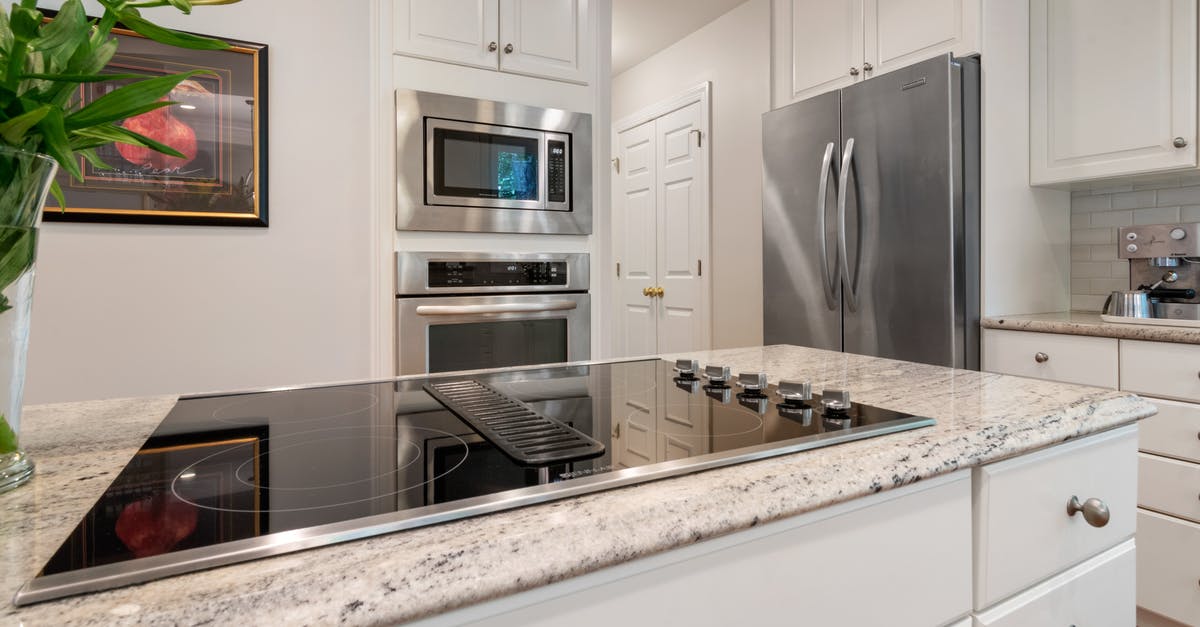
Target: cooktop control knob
[[836, 400], [716, 375], [1178, 234], [794, 391], [752, 382], [687, 368]]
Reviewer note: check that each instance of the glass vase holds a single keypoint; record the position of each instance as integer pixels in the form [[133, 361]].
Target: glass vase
[[25, 177]]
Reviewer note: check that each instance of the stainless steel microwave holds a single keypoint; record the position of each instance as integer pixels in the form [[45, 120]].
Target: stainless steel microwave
[[478, 165]]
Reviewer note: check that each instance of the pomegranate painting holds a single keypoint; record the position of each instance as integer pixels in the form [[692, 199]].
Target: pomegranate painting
[[162, 126], [155, 525]]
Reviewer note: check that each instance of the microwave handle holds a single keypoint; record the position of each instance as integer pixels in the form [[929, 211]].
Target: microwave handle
[[466, 310]]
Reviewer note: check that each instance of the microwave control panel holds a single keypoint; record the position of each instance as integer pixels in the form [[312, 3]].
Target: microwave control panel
[[496, 273], [556, 171]]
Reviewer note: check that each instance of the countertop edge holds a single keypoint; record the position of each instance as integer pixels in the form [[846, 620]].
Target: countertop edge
[[1087, 324]]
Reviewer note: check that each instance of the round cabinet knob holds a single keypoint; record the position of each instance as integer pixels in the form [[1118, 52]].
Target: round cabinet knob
[[867, 67], [492, 47], [853, 71], [1133, 248], [1179, 142], [1095, 512], [508, 48], [1178, 234], [1041, 358]]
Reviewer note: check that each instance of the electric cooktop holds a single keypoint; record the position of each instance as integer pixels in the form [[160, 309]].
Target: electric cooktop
[[229, 478]]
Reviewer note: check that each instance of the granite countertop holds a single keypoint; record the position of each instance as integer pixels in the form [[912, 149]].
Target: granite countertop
[[1087, 323], [981, 417]]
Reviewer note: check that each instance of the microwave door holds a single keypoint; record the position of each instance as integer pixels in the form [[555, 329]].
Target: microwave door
[[484, 165]]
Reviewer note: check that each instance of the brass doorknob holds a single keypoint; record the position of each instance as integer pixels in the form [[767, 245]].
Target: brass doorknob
[[658, 291], [648, 291]]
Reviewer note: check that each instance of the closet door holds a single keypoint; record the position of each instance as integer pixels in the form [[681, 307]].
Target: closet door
[[635, 236]]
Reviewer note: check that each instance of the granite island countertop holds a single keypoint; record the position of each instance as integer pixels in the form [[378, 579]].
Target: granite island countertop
[[1088, 323], [981, 417]]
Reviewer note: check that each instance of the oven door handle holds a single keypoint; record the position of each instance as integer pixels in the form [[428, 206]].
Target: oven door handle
[[467, 310]]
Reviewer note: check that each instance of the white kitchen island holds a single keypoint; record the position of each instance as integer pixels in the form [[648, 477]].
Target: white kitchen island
[[966, 520]]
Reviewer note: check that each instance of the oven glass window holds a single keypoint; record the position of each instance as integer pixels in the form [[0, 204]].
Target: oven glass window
[[497, 344], [481, 165]]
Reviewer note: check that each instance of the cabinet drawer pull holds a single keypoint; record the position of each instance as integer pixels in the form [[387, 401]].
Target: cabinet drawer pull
[[1095, 512], [1179, 142], [1041, 357]]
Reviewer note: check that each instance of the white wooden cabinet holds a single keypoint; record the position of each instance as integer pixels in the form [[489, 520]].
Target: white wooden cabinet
[[1067, 358], [1112, 88], [1169, 567], [543, 38], [822, 45], [1161, 369]]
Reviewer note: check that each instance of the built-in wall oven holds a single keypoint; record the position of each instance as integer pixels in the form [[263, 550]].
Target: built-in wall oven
[[464, 311], [478, 165]]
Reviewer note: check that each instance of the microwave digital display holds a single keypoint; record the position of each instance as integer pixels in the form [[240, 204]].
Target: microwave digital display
[[470, 164]]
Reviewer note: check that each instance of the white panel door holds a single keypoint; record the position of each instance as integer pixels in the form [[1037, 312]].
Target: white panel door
[[817, 47], [547, 38], [682, 198], [456, 31], [1112, 86], [634, 229], [634, 407], [902, 32]]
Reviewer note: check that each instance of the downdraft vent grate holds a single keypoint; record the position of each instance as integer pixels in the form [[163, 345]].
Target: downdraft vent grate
[[523, 434]]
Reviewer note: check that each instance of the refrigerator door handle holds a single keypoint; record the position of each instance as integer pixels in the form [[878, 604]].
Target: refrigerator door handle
[[829, 280], [843, 261]]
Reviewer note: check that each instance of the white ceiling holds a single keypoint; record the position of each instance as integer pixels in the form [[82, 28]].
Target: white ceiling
[[641, 28]]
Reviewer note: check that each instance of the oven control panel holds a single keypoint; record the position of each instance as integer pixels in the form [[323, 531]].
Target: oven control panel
[[496, 273]]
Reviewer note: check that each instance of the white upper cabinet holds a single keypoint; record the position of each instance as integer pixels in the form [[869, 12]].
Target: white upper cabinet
[[543, 38], [1112, 88], [822, 45]]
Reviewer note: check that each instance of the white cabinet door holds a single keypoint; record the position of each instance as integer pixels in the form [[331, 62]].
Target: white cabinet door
[[546, 38], [682, 194], [1097, 593], [635, 223], [1168, 567], [456, 31], [1112, 88], [901, 32], [817, 47]]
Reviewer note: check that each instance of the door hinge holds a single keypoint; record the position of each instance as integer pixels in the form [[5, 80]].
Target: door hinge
[[618, 269], [698, 136], [617, 164], [699, 268]]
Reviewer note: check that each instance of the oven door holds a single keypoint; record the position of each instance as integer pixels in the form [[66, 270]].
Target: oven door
[[484, 165], [476, 332]]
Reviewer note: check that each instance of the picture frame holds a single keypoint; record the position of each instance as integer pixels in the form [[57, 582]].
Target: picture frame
[[128, 518], [219, 122]]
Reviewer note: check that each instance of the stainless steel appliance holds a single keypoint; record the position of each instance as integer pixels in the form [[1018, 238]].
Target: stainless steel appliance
[[871, 217], [1162, 262], [478, 165], [234, 477], [466, 311]]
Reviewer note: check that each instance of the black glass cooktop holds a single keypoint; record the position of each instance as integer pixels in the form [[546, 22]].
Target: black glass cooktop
[[224, 477]]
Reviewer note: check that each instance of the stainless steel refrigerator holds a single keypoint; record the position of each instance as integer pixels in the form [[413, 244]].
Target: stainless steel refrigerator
[[871, 217]]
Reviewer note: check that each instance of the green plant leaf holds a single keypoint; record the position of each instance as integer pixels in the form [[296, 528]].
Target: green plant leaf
[[126, 101], [17, 248], [67, 28], [126, 136], [167, 36], [8, 439], [93, 158], [182, 5], [13, 130], [58, 145], [56, 191]]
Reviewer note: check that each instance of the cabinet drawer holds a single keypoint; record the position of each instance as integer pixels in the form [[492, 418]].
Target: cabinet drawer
[[1068, 358], [1161, 369], [1098, 592], [1023, 533], [1168, 566], [1169, 486], [1174, 431]]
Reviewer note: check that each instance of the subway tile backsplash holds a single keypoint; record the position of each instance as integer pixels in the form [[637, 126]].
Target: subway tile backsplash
[[1097, 214]]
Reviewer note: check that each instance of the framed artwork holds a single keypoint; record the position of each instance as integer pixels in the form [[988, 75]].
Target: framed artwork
[[219, 123], [141, 514]]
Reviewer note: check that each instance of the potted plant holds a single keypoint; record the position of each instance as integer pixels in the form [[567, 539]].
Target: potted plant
[[44, 127]]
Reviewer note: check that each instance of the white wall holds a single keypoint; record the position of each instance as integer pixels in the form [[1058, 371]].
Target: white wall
[[134, 310], [1026, 231], [733, 53]]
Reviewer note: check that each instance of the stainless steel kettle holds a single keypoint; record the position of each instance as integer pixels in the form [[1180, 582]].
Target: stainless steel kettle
[[1129, 304]]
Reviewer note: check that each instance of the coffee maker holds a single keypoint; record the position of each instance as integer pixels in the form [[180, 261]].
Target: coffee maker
[[1164, 259]]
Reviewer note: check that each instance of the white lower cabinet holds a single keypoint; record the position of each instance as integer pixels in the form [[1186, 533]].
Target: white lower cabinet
[[1097, 593], [1066, 358], [1168, 573]]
